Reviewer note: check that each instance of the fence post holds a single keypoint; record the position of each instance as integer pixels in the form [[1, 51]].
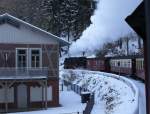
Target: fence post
[[74, 88], [62, 87], [83, 111]]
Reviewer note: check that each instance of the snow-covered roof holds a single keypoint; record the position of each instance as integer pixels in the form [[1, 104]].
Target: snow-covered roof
[[7, 18], [91, 56]]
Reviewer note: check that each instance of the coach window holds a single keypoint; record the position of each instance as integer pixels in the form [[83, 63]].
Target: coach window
[[113, 63], [96, 62], [122, 63], [88, 62], [140, 64], [137, 64], [129, 64]]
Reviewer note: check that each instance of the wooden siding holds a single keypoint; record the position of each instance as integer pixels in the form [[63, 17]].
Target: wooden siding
[[23, 35], [50, 50], [53, 83]]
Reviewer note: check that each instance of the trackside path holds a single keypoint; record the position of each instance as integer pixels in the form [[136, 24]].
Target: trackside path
[[142, 100]]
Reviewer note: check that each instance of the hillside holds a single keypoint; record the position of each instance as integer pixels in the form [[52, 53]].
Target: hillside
[[65, 18]]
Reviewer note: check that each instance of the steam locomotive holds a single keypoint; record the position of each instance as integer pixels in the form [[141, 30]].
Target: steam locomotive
[[124, 65]]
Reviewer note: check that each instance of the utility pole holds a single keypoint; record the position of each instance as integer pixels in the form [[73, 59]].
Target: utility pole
[[147, 55]]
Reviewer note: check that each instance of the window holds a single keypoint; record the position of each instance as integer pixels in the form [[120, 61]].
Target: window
[[21, 58], [35, 58]]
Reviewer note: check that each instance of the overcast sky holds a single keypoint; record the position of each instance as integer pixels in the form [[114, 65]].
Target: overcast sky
[[107, 25]]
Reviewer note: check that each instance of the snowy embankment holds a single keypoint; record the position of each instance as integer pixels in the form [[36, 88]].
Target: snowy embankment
[[113, 94], [142, 98]]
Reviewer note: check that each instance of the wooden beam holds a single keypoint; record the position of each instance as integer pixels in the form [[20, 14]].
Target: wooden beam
[[11, 83], [1, 84], [42, 96], [147, 55], [6, 97], [45, 94]]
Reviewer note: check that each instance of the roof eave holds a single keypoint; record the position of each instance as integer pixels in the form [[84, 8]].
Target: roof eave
[[58, 39]]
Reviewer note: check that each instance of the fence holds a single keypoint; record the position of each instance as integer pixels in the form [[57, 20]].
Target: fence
[[77, 89], [26, 72]]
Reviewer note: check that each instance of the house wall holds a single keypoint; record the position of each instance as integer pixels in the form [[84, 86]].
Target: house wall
[[23, 35], [50, 56], [52, 94], [36, 94], [10, 95], [53, 80]]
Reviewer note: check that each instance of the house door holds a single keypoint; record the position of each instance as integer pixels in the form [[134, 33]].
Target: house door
[[22, 96]]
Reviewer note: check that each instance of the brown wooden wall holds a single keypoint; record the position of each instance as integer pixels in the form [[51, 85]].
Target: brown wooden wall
[[51, 50]]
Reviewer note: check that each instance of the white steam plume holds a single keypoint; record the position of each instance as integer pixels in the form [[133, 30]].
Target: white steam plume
[[108, 24]]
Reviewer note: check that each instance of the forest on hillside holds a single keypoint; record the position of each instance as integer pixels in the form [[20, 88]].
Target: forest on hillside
[[64, 18], [129, 44]]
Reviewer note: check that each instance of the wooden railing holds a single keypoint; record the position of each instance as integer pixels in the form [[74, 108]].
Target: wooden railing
[[27, 72]]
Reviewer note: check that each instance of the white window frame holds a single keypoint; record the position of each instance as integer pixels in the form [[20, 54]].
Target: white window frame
[[30, 54], [17, 56]]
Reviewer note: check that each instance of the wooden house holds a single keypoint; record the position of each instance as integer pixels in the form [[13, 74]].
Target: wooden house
[[29, 66]]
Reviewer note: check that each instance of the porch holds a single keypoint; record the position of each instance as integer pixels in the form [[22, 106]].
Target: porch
[[15, 84]]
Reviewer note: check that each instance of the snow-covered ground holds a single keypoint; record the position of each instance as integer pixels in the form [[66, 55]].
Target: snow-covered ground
[[70, 104], [112, 96], [142, 97]]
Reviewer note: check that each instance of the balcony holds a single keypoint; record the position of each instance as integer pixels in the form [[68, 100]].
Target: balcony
[[23, 73]]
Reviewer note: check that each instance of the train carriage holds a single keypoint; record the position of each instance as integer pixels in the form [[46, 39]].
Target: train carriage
[[140, 68], [96, 64], [122, 65], [75, 62]]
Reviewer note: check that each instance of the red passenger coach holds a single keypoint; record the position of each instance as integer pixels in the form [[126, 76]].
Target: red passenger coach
[[96, 64], [140, 68], [128, 65], [121, 65]]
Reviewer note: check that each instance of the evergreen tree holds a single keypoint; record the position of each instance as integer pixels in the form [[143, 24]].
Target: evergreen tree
[[64, 18]]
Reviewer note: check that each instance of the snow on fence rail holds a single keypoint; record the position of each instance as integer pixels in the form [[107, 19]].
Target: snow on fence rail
[[73, 113]]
